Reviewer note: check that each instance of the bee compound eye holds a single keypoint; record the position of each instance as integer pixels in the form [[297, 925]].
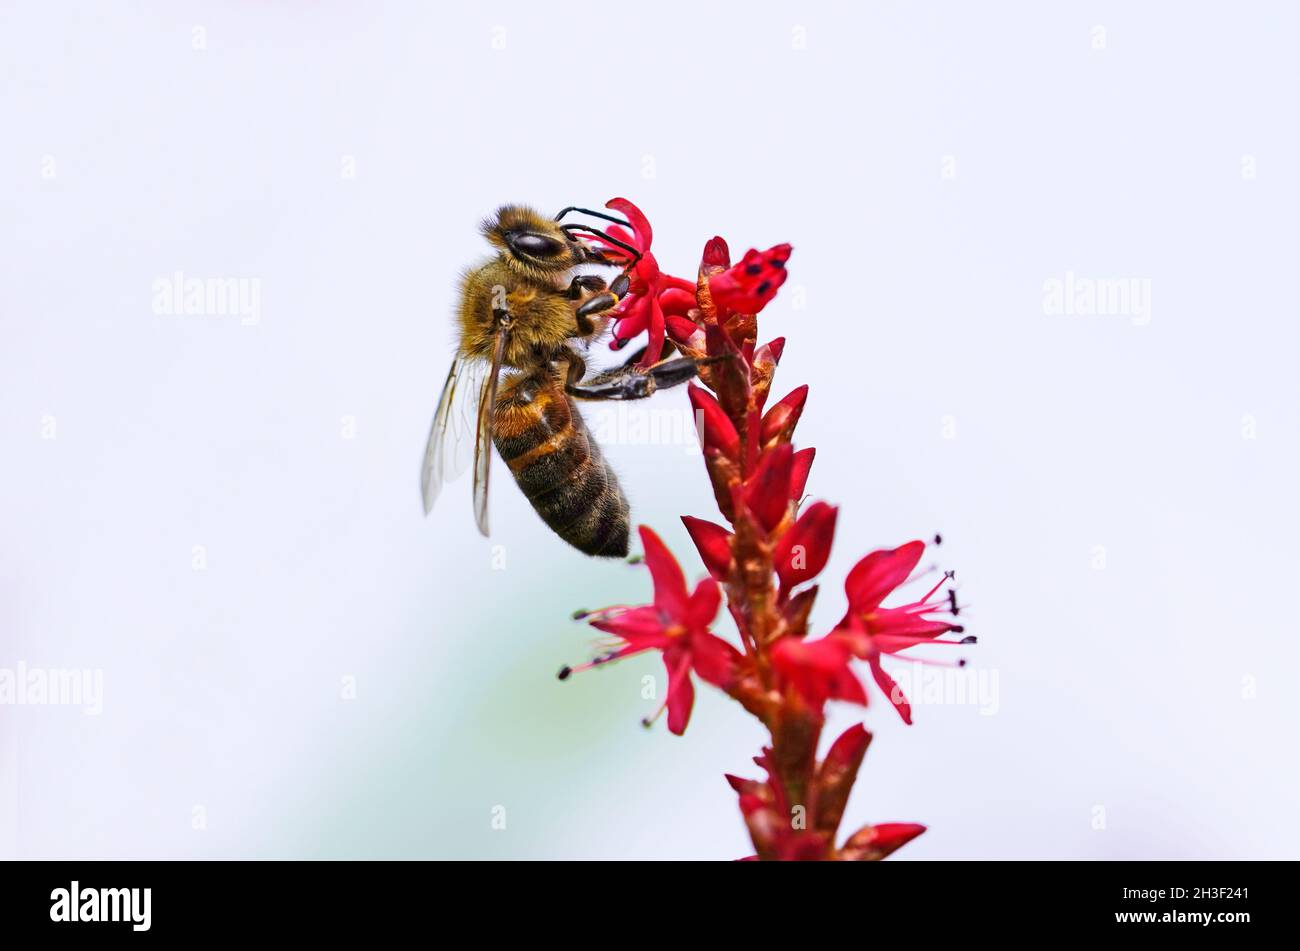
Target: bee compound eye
[[534, 245]]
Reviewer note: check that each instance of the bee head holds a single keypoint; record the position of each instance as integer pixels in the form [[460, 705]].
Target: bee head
[[533, 241]]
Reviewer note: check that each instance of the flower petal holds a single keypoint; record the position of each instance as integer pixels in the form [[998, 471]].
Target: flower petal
[[803, 460], [654, 345], [872, 579], [714, 544], [640, 224], [801, 553], [891, 689], [641, 627], [714, 660], [873, 843], [714, 424], [681, 698], [780, 420], [703, 605], [902, 624], [675, 302], [819, 670], [669, 582], [767, 491]]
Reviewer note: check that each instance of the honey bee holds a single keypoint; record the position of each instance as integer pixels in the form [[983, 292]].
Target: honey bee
[[526, 321]]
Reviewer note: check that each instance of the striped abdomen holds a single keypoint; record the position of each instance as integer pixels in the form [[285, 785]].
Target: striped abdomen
[[544, 440]]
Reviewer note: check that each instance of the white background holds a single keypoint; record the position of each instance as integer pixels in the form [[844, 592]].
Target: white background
[[1145, 701]]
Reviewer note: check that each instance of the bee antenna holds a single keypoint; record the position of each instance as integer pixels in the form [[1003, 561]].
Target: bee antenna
[[636, 255], [594, 214]]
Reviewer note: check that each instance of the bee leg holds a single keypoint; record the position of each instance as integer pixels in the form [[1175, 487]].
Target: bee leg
[[597, 303], [629, 382], [582, 284], [577, 368]]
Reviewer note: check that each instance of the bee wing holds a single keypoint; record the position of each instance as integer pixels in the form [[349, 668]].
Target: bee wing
[[447, 454], [483, 440]]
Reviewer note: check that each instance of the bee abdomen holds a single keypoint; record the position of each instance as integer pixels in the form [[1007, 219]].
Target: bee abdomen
[[563, 474]]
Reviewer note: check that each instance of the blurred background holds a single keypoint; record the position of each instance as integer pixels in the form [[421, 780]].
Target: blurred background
[[219, 512]]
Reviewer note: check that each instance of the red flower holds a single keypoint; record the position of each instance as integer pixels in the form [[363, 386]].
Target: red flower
[[746, 288], [677, 624], [768, 491], [873, 631], [641, 310], [780, 420], [872, 843], [801, 553], [803, 460], [714, 543], [714, 425], [818, 670]]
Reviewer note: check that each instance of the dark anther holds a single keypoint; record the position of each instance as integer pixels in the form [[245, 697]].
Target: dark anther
[[580, 614], [962, 662], [754, 269], [952, 602], [970, 639], [764, 288], [564, 672], [957, 628], [776, 263], [938, 539]]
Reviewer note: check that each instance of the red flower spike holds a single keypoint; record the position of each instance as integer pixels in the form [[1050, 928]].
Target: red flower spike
[[745, 288], [767, 491], [767, 563], [801, 553], [714, 544], [872, 843], [714, 425], [780, 420], [803, 460]]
